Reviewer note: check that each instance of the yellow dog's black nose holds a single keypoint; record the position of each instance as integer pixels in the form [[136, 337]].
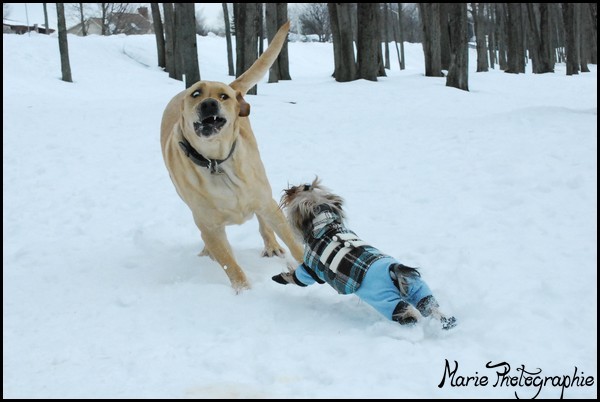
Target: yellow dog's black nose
[[209, 107]]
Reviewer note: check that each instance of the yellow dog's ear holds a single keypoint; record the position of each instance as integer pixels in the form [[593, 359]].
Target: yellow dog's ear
[[244, 106]]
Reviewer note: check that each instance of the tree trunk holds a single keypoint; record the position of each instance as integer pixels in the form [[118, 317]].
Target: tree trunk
[[271, 19], [283, 58], [386, 35], [259, 28], [538, 36], [401, 37], [490, 23], [501, 35], [482, 61], [533, 39], [228, 38], [186, 26], [444, 40], [343, 44], [246, 43], [367, 43], [396, 35], [430, 17], [335, 39], [516, 52], [584, 30], [593, 16], [82, 20], [104, 7], [458, 73], [571, 36], [547, 54], [378, 35], [46, 19], [558, 33], [158, 32], [172, 56], [63, 46]]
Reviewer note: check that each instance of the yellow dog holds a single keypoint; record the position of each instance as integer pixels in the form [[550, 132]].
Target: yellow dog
[[212, 157]]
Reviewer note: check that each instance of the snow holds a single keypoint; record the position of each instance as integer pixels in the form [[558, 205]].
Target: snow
[[491, 192]]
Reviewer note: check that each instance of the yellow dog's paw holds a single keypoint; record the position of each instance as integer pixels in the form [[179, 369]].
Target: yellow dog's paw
[[272, 251], [239, 287], [206, 253]]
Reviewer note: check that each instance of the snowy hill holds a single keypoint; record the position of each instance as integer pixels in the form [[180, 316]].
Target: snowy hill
[[492, 192]]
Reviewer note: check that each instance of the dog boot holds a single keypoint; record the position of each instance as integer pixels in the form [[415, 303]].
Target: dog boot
[[448, 322], [427, 305], [405, 314]]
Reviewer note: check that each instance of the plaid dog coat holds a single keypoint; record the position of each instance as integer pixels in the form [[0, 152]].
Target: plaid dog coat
[[335, 254]]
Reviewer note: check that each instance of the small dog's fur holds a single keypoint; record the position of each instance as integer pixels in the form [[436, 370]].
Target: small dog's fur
[[301, 204]]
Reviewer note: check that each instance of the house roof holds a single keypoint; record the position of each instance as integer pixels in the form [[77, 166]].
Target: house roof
[[127, 23], [21, 27]]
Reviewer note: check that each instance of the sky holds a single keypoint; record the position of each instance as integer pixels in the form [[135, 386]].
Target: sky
[[492, 193]]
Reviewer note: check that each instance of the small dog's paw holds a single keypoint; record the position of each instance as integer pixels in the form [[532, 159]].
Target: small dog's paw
[[284, 278], [448, 322], [405, 314]]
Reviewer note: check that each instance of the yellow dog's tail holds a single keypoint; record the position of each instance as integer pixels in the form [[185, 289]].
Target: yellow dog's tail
[[260, 67]]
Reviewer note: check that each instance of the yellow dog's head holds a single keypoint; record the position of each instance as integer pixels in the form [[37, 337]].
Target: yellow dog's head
[[211, 109]]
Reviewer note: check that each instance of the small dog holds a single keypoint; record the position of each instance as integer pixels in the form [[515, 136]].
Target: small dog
[[335, 254]]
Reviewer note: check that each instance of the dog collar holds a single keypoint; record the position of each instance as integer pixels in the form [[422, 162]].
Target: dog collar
[[211, 164]]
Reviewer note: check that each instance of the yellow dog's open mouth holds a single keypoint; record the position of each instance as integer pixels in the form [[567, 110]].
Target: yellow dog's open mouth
[[209, 126]]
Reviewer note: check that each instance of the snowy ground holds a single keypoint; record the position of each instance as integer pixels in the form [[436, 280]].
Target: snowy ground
[[492, 192]]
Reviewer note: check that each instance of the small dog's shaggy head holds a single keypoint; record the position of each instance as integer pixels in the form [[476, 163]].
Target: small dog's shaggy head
[[301, 202]]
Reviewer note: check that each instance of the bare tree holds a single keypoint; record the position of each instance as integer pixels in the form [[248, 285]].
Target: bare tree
[[570, 14], [104, 10], [501, 37], [430, 17], [491, 34], [172, 54], [539, 35], [314, 18], [80, 11], [477, 10], [386, 34], [411, 23], [585, 31], [186, 27], [343, 44], [378, 37], [83, 27], [246, 43], [46, 19], [228, 39], [283, 60], [444, 39], [458, 73], [400, 37], [515, 49], [259, 21], [63, 46], [158, 32], [271, 22], [275, 16], [112, 17], [367, 43]]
